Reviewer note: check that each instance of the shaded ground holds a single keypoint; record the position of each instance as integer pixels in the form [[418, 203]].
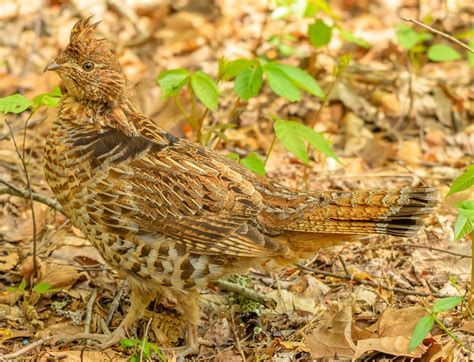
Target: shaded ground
[[390, 126]]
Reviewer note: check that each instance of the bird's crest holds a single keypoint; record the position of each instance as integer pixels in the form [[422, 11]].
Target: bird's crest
[[83, 30]]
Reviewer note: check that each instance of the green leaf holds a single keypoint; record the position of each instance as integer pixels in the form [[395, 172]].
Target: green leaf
[[248, 82], [281, 83], [320, 143], [407, 37], [41, 288], [130, 342], [470, 55], [15, 103], [50, 99], [463, 182], [319, 33], [22, 286], [12, 289], [348, 36], [254, 163], [293, 135], [442, 53], [146, 348], [301, 79], [235, 67], [445, 304], [465, 221], [205, 89], [172, 81], [422, 328], [233, 156]]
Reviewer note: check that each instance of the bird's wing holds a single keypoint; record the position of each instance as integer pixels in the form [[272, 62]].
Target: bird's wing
[[183, 191]]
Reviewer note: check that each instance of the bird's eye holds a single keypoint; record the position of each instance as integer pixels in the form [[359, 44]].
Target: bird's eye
[[88, 66]]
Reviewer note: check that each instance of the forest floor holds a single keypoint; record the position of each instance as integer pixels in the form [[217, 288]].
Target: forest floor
[[392, 123]]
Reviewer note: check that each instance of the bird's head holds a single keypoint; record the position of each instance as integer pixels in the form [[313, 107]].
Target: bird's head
[[90, 70]]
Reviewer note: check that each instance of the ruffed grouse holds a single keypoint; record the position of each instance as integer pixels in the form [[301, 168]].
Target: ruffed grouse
[[172, 215]]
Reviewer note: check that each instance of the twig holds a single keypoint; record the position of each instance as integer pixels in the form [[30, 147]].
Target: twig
[[436, 31], [20, 352], [21, 156], [114, 306], [373, 284], [14, 191], [89, 308], [343, 262], [244, 292], [420, 247], [145, 338]]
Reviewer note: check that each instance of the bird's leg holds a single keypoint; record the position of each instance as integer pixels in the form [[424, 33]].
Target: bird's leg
[[139, 300]]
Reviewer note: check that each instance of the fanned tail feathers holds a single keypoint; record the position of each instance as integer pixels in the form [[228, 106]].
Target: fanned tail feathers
[[397, 212]]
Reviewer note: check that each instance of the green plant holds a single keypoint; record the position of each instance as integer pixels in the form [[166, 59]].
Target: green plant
[[248, 76], [142, 348], [37, 290], [18, 103], [415, 43], [463, 226], [424, 325], [319, 32], [247, 306]]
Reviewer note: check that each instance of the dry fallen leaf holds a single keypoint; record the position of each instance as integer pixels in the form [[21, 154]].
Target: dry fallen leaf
[[396, 346], [9, 261], [332, 337]]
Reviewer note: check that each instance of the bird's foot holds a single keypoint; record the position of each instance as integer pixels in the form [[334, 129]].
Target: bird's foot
[[104, 340]]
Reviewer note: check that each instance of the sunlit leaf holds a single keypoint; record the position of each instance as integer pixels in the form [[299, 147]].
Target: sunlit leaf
[[22, 285], [293, 135], [50, 99], [463, 181], [422, 328], [15, 103], [205, 89], [235, 67], [281, 83], [445, 304], [248, 82], [442, 53], [301, 79], [254, 163], [470, 55], [465, 220], [406, 36], [319, 33], [130, 342], [172, 81]]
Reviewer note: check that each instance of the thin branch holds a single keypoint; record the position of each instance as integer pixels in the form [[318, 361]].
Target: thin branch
[[90, 306], [373, 284], [21, 352], [114, 306], [21, 156], [436, 31], [14, 191], [145, 338], [244, 292]]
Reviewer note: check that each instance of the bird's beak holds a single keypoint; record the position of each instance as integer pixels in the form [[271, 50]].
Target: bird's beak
[[52, 66]]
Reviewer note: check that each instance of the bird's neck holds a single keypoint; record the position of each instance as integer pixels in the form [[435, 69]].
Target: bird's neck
[[93, 114]]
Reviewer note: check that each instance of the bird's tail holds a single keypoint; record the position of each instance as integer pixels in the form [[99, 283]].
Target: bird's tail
[[397, 212]]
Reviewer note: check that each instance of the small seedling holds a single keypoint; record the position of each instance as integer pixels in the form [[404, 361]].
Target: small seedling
[[142, 350], [424, 325]]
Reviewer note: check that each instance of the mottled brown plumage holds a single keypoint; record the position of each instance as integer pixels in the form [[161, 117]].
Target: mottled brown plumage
[[171, 215]]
